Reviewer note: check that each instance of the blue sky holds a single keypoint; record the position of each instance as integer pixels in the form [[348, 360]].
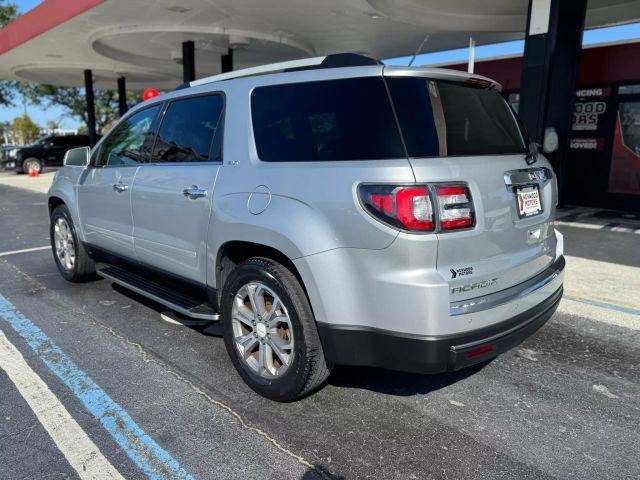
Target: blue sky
[[610, 34]]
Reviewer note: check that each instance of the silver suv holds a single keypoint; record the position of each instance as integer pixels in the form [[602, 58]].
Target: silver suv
[[326, 211]]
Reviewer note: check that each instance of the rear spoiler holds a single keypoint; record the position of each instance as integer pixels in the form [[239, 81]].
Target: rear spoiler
[[442, 74]]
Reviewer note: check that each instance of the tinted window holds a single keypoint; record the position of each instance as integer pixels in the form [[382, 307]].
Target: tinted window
[[440, 118], [331, 120], [71, 141], [130, 141], [78, 141], [191, 131]]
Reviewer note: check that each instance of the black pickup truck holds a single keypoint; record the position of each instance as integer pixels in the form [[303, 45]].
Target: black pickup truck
[[46, 152]]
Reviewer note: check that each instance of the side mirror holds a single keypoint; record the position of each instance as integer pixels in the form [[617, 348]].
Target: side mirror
[[77, 157], [550, 143]]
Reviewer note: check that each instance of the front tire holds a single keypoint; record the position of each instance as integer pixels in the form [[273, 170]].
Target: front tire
[[270, 332], [72, 260]]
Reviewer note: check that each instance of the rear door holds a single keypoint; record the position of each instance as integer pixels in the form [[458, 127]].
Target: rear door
[[61, 145], [457, 132], [172, 194], [54, 151], [104, 189]]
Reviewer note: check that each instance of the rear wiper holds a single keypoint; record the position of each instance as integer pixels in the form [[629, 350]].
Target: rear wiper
[[532, 153]]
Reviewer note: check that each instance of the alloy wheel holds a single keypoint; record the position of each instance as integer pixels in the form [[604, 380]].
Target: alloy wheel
[[262, 330], [64, 244], [33, 165]]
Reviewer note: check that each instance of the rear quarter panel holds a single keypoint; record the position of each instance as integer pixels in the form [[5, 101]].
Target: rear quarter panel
[[311, 206]]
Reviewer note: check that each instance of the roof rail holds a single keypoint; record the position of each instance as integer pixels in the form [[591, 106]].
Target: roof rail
[[329, 61]]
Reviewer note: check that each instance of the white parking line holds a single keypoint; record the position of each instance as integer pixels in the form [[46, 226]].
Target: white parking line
[[24, 250], [81, 453]]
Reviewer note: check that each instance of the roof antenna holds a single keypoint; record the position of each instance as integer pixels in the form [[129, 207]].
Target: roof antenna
[[426, 38], [472, 55]]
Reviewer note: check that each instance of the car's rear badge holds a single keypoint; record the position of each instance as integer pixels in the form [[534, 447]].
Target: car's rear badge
[[475, 286], [461, 272]]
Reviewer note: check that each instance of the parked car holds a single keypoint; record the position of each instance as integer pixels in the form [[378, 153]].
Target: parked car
[[327, 211], [46, 152], [7, 152]]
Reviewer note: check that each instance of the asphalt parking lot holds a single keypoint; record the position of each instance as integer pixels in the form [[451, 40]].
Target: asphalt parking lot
[[565, 404]]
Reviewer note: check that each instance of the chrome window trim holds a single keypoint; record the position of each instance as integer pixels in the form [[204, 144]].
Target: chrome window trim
[[181, 164], [496, 299]]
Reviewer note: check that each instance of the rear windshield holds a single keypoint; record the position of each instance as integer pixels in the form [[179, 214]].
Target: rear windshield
[[441, 118], [347, 119], [353, 119]]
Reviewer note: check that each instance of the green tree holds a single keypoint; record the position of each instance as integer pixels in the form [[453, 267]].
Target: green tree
[[53, 125], [73, 100], [8, 13], [25, 129]]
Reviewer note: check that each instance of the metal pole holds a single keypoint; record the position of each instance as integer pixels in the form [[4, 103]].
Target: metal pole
[[188, 61], [226, 62], [91, 109], [122, 96]]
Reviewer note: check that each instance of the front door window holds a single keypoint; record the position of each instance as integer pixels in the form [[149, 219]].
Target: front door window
[[129, 142]]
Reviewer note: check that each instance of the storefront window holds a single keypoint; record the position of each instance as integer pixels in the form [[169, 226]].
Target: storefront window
[[624, 176], [628, 89]]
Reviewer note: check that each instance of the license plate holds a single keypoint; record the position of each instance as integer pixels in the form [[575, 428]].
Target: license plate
[[528, 200]]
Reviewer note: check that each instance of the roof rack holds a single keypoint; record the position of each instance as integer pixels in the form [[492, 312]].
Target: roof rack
[[335, 60]]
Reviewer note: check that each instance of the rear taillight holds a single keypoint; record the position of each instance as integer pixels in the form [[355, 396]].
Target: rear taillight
[[420, 208], [409, 208], [455, 207]]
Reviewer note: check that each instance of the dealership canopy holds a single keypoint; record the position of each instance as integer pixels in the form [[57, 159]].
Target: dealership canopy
[[143, 41]]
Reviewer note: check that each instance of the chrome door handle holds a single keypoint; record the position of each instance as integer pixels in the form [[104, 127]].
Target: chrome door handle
[[120, 187], [194, 192]]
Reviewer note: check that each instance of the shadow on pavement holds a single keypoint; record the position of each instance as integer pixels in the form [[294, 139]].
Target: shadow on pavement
[[602, 245], [397, 383], [319, 473], [603, 235], [374, 379]]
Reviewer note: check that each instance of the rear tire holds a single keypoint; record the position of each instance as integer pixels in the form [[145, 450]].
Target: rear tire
[[270, 332], [72, 260], [33, 162]]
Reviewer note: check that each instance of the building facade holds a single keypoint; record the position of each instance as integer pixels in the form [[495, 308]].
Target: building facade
[[603, 165]]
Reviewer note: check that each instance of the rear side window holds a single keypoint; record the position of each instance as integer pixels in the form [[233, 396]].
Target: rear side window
[[191, 131], [129, 143], [73, 141], [439, 118], [69, 141], [347, 119], [79, 141]]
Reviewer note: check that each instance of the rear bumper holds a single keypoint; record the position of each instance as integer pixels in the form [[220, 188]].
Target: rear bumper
[[432, 354]]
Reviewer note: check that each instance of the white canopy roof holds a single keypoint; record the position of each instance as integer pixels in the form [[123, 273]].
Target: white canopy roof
[[142, 40]]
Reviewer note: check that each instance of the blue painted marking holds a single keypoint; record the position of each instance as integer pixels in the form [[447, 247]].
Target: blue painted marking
[[155, 462], [610, 306]]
